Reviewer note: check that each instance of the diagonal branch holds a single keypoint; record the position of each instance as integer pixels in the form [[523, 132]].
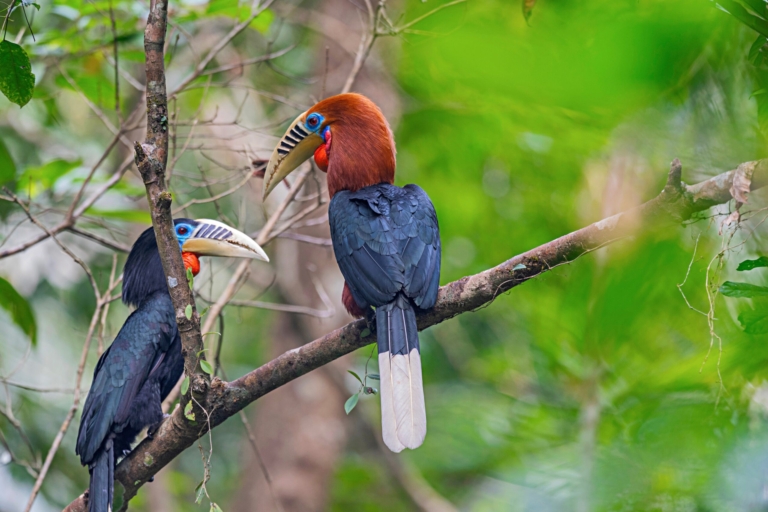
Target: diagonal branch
[[675, 203]]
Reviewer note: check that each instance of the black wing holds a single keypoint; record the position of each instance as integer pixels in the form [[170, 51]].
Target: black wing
[[387, 240], [122, 370]]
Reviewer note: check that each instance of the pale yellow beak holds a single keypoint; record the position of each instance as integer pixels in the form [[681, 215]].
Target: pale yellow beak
[[296, 146], [214, 238]]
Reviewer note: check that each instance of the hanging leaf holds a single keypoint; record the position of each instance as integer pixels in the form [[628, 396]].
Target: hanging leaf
[[357, 377], [19, 309], [185, 386], [7, 166], [742, 290], [351, 403], [199, 492], [17, 81], [762, 261], [206, 367], [215, 508], [756, 54], [188, 311], [754, 322]]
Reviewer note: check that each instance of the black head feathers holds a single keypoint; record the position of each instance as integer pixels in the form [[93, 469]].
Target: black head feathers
[[143, 274]]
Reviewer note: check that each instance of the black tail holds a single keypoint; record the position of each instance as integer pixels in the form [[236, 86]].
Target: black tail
[[102, 480], [403, 416]]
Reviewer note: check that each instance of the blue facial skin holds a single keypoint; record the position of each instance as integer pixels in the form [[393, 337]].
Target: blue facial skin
[[313, 122], [183, 232]]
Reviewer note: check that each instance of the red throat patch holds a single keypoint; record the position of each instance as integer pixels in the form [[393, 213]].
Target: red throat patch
[[321, 153], [321, 158], [191, 261]]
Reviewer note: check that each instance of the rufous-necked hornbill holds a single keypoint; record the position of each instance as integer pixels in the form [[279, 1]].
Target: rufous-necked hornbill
[[385, 238], [138, 371]]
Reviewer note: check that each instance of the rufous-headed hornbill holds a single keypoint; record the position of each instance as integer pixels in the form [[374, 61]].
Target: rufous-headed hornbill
[[385, 238], [141, 367]]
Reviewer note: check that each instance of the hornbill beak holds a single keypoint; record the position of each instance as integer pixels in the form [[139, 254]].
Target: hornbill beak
[[213, 238], [296, 146]]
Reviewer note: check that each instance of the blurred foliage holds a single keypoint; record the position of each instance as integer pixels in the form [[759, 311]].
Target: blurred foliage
[[598, 386]]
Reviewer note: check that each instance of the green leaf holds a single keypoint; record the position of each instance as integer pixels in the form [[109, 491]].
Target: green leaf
[[206, 367], [755, 55], [758, 6], [215, 508], [7, 166], [199, 492], [190, 279], [19, 309], [185, 385], [188, 412], [762, 261], [365, 333], [754, 322], [357, 377], [374, 376], [351, 403], [188, 311], [202, 314], [263, 21], [742, 290], [38, 179], [17, 81]]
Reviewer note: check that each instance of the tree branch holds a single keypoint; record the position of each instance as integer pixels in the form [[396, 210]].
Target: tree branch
[[677, 202], [151, 159]]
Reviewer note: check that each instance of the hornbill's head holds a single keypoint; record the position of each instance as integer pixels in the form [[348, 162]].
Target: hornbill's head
[[143, 274], [350, 139]]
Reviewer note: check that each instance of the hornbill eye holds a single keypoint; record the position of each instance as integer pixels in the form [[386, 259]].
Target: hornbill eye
[[313, 121], [182, 230]]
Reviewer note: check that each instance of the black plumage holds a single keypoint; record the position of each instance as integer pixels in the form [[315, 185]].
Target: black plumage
[[133, 375], [387, 244]]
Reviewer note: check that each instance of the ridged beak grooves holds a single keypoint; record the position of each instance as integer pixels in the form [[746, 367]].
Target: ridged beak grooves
[[214, 238], [295, 147]]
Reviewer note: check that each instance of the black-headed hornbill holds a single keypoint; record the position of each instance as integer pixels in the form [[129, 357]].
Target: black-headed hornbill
[[386, 240], [141, 367]]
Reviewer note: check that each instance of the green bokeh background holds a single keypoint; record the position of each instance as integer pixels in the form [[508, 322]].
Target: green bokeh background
[[592, 387]]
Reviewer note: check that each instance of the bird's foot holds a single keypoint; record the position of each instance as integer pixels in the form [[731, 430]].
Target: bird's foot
[[152, 430]]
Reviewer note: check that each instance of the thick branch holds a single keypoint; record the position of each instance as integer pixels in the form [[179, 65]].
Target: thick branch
[[677, 202]]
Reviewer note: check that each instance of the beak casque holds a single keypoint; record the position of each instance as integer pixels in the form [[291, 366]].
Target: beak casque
[[295, 147], [213, 238]]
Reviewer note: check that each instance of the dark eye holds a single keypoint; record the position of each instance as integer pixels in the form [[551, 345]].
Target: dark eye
[[312, 121], [182, 230]]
